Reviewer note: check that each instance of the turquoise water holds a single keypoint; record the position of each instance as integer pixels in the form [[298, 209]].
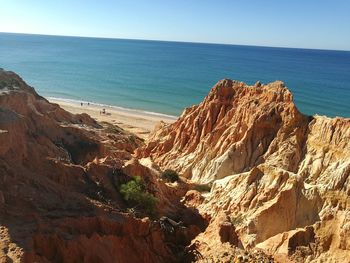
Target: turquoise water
[[166, 77]]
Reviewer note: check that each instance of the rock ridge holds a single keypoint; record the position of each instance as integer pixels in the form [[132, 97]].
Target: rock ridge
[[60, 176], [259, 182], [279, 178]]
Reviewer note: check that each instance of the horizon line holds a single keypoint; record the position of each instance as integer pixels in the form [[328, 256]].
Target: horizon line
[[174, 41]]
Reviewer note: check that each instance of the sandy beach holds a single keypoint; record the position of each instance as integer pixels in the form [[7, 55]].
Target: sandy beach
[[138, 122]]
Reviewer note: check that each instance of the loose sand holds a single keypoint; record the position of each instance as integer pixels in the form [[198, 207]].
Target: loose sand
[[138, 122]]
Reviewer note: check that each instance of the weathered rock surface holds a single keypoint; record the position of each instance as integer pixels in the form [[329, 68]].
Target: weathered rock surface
[[280, 179], [59, 179], [279, 182], [234, 129]]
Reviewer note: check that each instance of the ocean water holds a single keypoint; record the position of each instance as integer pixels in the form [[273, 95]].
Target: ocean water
[[166, 77]]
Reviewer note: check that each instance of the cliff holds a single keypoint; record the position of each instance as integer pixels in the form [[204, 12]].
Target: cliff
[[235, 128], [280, 179], [60, 176], [259, 182]]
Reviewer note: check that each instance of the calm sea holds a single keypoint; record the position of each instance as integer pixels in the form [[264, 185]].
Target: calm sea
[[166, 77]]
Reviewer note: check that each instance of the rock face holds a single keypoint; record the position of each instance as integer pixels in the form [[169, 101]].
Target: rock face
[[234, 129], [59, 179], [281, 179]]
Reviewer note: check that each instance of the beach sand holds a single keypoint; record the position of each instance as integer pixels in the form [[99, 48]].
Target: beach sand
[[138, 122]]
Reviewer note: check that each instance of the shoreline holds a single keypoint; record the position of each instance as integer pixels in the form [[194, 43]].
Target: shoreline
[[119, 108], [139, 122]]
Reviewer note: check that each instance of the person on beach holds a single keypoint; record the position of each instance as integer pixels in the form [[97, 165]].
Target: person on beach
[[103, 111], [81, 104]]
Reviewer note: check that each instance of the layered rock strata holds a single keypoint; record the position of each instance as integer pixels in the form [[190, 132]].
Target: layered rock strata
[[280, 179], [59, 188]]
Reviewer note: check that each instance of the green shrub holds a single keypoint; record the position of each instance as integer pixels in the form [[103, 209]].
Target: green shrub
[[113, 129], [238, 220], [170, 176], [135, 194]]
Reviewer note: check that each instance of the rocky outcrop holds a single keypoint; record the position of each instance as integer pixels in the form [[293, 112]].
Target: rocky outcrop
[[280, 178], [234, 129], [59, 188], [279, 182]]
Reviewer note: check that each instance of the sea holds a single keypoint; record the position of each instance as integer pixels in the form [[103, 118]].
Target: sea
[[165, 77]]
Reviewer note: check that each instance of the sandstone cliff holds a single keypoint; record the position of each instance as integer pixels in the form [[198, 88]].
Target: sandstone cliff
[[280, 179], [59, 180]]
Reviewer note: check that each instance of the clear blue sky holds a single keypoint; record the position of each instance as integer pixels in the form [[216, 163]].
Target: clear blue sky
[[323, 24]]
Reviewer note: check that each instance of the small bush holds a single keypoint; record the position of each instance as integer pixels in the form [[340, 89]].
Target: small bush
[[135, 194], [202, 187], [238, 220], [170, 176], [113, 129]]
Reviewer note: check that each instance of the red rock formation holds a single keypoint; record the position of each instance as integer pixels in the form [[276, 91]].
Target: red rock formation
[[274, 171], [280, 182], [59, 179], [234, 129]]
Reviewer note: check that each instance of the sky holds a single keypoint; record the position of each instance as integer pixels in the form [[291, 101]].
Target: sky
[[320, 24]]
